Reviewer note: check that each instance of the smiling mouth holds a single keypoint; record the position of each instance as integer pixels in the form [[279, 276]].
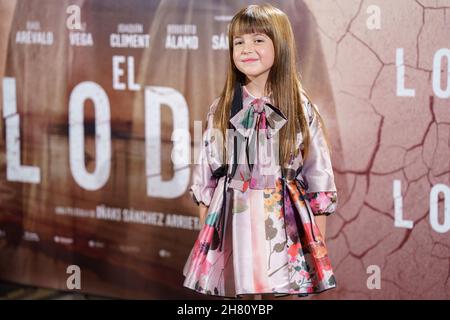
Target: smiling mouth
[[249, 60]]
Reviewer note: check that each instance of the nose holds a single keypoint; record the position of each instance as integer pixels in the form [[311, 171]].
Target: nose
[[248, 46]]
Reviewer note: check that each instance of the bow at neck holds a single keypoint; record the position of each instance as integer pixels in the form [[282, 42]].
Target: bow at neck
[[260, 114], [257, 122]]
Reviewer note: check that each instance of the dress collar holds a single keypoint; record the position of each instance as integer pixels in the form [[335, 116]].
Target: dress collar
[[244, 120], [248, 97]]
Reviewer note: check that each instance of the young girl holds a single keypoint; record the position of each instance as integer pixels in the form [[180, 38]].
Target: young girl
[[264, 193]]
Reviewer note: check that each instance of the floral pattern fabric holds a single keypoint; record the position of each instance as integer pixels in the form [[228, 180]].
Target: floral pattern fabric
[[322, 203], [271, 243]]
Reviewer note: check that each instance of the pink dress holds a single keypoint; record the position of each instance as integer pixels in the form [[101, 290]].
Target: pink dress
[[260, 235]]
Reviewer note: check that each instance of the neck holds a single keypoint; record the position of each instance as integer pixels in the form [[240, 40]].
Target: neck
[[257, 86]]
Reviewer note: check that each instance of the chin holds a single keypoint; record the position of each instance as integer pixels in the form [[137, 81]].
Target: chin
[[251, 72]]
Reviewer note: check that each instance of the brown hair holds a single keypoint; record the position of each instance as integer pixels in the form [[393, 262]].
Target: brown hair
[[283, 80]]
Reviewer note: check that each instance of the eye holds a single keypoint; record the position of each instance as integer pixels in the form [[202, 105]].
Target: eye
[[237, 42], [259, 40]]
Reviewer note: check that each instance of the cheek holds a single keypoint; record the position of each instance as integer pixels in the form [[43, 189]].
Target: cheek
[[235, 56], [270, 53], [271, 56], [267, 55]]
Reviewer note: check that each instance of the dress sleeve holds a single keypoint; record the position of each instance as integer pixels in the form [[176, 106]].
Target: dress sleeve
[[203, 182], [322, 203], [317, 169]]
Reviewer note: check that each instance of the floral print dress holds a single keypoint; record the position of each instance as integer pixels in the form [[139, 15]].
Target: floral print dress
[[260, 235]]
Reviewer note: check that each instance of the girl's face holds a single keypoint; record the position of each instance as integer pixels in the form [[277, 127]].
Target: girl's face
[[253, 54]]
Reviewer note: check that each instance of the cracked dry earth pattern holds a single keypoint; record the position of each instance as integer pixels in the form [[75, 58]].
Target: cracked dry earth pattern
[[384, 137]]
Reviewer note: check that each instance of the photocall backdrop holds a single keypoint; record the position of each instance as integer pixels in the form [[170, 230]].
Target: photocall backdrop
[[94, 94]]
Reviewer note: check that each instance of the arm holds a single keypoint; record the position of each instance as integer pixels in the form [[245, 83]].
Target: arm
[[203, 183], [318, 172], [322, 204]]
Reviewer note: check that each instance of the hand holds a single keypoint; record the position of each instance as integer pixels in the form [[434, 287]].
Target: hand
[[203, 212], [321, 221]]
